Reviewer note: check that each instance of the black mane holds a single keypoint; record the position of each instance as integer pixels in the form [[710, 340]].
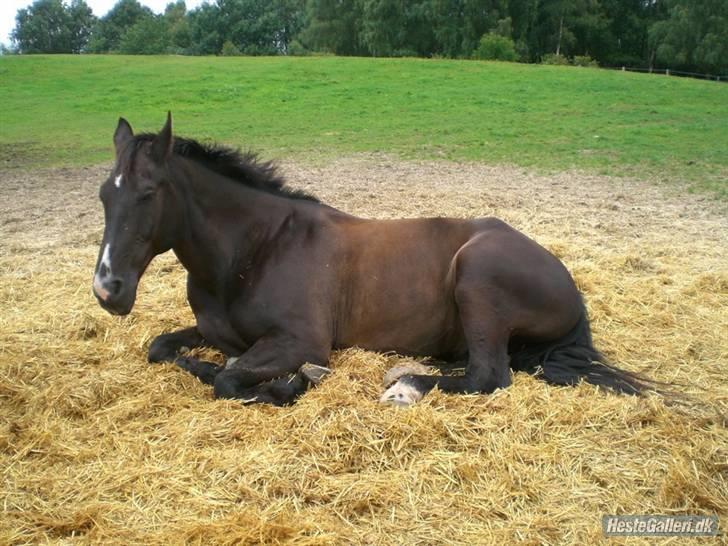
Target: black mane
[[243, 167]]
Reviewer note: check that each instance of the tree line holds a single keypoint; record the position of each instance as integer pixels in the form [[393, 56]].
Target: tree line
[[679, 34]]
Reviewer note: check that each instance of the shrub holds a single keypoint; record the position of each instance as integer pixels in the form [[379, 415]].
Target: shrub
[[584, 60], [553, 58], [404, 53], [297, 48], [496, 48], [229, 49]]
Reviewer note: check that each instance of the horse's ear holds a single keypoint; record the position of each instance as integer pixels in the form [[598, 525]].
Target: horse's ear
[[122, 135], [163, 142]]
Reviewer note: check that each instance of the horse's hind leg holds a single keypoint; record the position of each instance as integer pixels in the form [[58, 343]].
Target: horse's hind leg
[[486, 327], [166, 348]]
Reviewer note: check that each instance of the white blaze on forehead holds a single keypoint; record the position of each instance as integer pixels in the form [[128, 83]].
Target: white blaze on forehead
[[106, 258], [117, 181]]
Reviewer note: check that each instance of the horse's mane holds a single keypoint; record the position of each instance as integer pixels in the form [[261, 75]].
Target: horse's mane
[[243, 167]]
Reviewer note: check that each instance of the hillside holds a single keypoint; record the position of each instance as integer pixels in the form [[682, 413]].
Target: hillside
[[61, 110]]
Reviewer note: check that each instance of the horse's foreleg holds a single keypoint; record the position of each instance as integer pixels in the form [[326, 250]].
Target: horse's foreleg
[[270, 358], [279, 392], [166, 348], [201, 369]]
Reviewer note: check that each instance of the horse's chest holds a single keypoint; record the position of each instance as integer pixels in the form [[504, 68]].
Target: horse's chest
[[228, 324]]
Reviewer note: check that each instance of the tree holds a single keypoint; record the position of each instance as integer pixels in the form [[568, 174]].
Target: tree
[[81, 24], [458, 25], [148, 36], [206, 36], [178, 26], [107, 33], [333, 26], [479, 17], [255, 27], [624, 39], [384, 28], [49, 26], [693, 37]]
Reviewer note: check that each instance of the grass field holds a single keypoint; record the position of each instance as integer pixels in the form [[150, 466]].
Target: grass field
[[61, 110]]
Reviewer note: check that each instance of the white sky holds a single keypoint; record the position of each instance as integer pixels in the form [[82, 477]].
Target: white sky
[[8, 9]]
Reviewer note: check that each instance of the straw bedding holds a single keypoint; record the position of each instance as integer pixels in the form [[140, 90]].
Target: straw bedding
[[98, 446]]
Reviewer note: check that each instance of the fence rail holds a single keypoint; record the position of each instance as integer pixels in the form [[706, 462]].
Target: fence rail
[[669, 72]]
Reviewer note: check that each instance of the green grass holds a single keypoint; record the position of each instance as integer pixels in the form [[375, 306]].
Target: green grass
[[62, 110]]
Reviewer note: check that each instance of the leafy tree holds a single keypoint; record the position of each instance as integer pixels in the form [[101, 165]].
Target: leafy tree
[[333, 26], [148, 36], [479, 17], [49, 26], [206, 36], [458, 25], [625, 35], [694, 36], [289, 16], [107, 34], [178, 26], [81, 24], [384, 27], [255, 27]]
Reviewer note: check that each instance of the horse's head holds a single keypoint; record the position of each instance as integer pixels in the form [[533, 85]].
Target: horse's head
[[133, 197]]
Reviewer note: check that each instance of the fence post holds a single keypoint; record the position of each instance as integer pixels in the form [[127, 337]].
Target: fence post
[[622, 69], [667, 72]]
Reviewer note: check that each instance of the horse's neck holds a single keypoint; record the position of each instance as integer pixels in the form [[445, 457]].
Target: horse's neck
[[225, 224]]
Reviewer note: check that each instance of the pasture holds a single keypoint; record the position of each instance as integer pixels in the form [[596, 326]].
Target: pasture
[[98, 446], [57, 110]]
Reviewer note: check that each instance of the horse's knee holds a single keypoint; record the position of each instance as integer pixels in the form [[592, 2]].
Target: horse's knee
[[159, 351]]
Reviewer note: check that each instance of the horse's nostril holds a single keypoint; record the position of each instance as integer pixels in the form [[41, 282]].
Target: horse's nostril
[[114, 287]]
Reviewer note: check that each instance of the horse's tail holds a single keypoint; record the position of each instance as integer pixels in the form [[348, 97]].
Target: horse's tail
[[572, 358]]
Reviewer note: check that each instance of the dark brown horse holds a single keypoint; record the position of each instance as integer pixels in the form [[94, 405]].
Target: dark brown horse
[[278, 279]]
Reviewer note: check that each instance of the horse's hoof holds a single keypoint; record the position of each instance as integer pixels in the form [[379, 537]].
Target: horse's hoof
[[313, 373], [401, 394], [408, 368]]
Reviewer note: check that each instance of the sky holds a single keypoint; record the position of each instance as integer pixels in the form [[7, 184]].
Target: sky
[[8, 9]]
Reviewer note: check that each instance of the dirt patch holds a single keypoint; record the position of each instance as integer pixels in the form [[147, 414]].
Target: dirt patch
[[98, 446], [18, 155]]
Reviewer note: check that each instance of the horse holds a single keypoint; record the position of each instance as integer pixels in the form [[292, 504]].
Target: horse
[[277, 280]]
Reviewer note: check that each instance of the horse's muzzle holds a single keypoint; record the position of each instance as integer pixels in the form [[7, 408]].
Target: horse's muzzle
[[114, 294]]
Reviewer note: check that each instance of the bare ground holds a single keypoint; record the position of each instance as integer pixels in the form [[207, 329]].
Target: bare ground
[[98, 446]]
